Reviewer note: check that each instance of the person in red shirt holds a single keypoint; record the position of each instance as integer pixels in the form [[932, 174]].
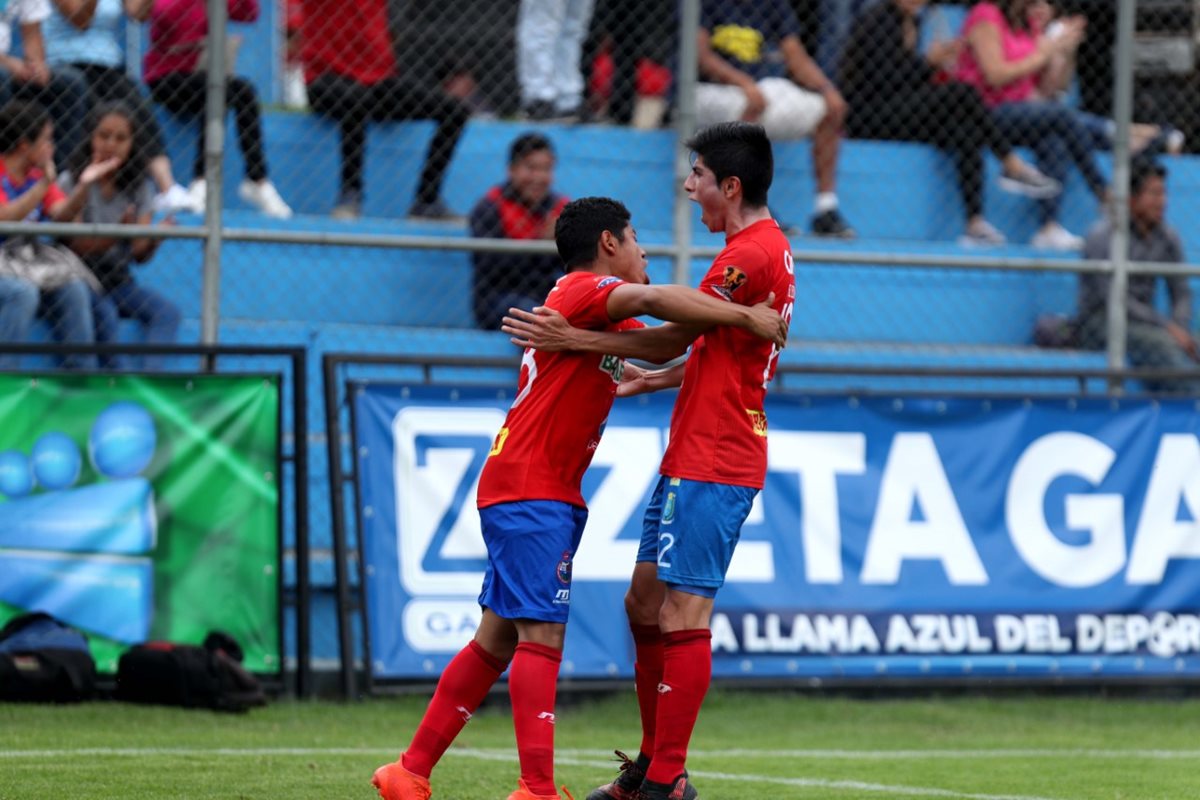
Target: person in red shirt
[[174, 69], [352, 77], [716, 458], [530, 504]]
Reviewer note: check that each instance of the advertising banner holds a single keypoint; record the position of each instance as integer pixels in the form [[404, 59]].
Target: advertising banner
[[141, 508], [895, 537]]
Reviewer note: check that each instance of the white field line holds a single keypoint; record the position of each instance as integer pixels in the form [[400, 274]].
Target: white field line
[[591, 759]]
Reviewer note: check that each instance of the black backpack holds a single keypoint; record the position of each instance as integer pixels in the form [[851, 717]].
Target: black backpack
[[44, 660], [193, 676]]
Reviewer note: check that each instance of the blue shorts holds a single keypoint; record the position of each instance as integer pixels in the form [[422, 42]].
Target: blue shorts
[[530, 545], [690, 530]]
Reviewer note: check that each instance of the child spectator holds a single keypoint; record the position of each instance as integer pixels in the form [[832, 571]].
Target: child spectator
[[352, 77], [893, 95], [38, 276], [523, 207], [175, 71], [84, 37], [61, 92], [1004, 58], [122, 196]]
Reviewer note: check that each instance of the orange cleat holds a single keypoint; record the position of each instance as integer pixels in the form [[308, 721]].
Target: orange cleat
[[394, 782], [523, 793]]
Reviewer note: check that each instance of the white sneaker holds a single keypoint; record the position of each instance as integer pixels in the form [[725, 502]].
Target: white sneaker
[[175, 199], [1053, 236], [982, 234], [198, 195], [264, 196]]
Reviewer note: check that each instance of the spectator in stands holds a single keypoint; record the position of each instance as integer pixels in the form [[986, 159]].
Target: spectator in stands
[[122, 196], [352, 77], [174, 68], [523, 207], [893, 95], [83, 37], [1145, 139], [62, 93], [630, 44], [38, 276], [1153, 340], [755, 68], [1004, 58], [550, 36]]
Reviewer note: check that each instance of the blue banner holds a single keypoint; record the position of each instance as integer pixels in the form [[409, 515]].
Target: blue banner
[[895, 537]]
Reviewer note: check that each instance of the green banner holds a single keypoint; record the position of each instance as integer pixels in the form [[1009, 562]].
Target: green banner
[[143, 508]]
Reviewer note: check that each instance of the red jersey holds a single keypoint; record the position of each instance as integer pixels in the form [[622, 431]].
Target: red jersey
[[563, 399], [718, 426], [10, 191]]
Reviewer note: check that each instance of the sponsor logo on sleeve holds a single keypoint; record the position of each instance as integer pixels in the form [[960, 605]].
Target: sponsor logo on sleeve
[[609, 281]]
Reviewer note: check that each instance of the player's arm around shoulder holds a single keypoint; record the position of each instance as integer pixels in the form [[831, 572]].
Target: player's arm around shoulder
[[695, 311]]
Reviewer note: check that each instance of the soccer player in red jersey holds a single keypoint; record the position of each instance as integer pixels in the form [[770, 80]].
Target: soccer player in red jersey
[[530, 504], [716, 458]]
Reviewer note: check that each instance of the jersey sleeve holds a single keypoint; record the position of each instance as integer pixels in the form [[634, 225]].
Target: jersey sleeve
[[584, 299], [740, 274]]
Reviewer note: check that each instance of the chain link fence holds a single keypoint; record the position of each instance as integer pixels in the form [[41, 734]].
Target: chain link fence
[[943, 167]]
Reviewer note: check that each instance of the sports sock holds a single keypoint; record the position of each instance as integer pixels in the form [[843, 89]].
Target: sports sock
[[687, 671], [460, 690], [532, 685], [826, 201], [647, 674]]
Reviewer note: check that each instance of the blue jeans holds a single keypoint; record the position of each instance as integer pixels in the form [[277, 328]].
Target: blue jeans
[[158, 316], [18, 307], [1058, 136], [68, 309]]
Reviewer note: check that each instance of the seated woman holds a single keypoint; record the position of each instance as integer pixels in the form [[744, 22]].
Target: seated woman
[[85, 38], [174, 70], [892, 95], [1005, 57], [122, 195]]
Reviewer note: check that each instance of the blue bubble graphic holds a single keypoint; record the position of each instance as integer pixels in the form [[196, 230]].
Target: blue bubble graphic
[[122, 440], [56, 460], [16, 476]]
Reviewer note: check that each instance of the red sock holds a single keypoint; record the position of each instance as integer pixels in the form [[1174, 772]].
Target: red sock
[[647, 674], [460, 690], [687, 671], [532, 685]]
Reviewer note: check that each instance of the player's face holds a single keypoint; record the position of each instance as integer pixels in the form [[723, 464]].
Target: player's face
[[701, 186], [532, 175], [113, 138], [631, 258]]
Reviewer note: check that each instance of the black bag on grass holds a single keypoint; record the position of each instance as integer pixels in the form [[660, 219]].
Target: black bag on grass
[[188, 675], [44, 660]]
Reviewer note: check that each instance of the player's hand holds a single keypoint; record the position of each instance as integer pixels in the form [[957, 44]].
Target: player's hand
[[633, 381], [767, 323], [542, 329]]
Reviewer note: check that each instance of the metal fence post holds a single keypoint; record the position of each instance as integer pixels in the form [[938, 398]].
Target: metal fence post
[[214, 148], [685, 125], [1119, 247]]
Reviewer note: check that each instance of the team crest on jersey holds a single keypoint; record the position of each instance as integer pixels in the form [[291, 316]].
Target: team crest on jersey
[[563, 570], [734, 278]]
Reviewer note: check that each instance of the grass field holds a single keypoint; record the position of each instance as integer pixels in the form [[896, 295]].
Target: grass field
[[747, 745]]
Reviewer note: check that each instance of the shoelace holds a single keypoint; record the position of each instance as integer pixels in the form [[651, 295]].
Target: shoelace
[[567, 793]]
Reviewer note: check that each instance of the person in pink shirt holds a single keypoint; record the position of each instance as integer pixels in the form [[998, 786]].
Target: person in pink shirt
[[1005, 58], [174, 70]]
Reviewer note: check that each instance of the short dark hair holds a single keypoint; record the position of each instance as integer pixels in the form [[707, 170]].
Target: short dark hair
[[528, 143], [580, 225], [741, 150], [20, 122], [1142, 170]]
